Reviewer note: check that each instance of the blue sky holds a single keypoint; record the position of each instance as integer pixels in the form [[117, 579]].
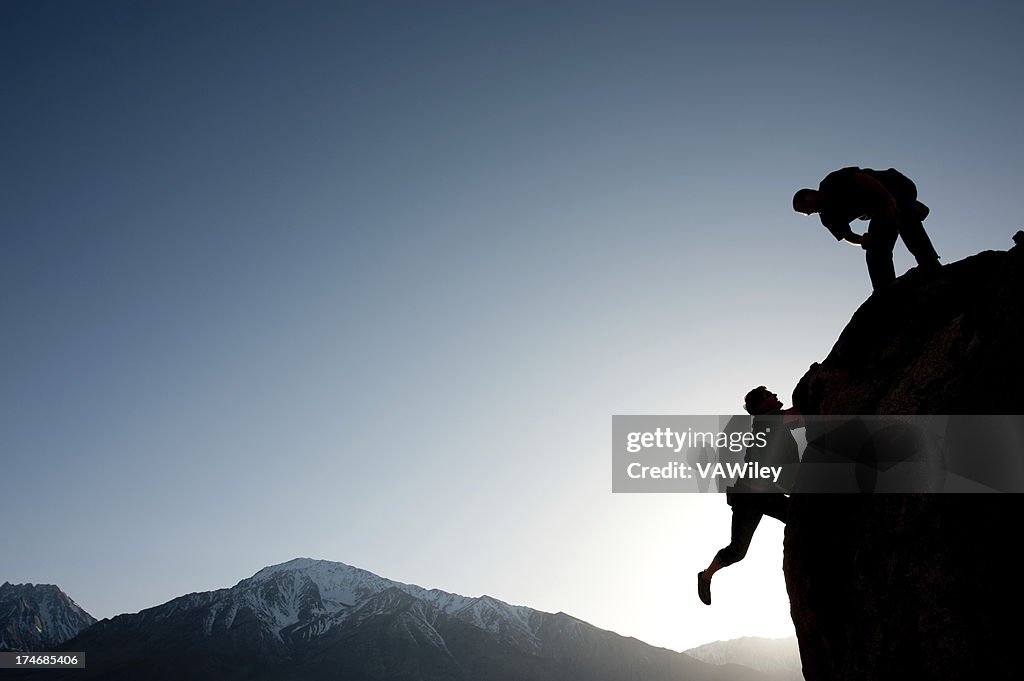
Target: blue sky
[[366, 281]]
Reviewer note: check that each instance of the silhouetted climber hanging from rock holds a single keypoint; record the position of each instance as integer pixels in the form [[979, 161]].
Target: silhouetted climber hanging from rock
[[886, 197], [751, 499]]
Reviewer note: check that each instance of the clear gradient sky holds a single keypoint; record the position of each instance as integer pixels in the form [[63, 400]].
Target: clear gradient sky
[[366, 281]]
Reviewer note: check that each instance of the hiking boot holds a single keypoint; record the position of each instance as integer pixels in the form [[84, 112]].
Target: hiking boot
[[704, 588]]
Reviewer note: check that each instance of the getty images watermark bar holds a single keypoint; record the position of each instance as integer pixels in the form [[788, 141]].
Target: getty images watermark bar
[[818, 454]]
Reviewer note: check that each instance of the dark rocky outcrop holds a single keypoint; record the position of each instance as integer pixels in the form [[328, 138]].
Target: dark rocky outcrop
[[915, 586]]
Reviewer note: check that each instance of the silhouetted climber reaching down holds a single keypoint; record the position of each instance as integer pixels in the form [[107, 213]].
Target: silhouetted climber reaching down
[[886, 197], [751, 499]]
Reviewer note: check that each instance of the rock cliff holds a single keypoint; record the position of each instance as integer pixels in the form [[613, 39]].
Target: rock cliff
[[915, 586]]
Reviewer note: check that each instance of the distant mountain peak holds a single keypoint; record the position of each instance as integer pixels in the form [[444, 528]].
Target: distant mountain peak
[[302, 564], [776, 656], [38, 617]]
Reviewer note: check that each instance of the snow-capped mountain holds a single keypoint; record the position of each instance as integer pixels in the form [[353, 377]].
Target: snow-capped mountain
[[38, 617], [304, 599], [776, 656], [312, 619]]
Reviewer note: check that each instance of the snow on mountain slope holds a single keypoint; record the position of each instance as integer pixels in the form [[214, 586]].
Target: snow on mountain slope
[[38, 617], [305, 598], [509, 622]]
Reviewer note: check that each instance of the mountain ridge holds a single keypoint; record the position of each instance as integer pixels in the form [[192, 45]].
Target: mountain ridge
[[778, 656], [312, 619], [36, 617]]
